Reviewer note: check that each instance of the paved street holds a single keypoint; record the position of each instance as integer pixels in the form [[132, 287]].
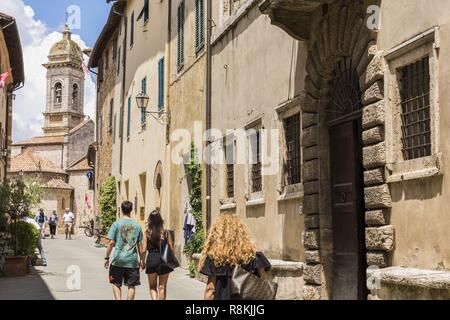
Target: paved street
[[51, 282]]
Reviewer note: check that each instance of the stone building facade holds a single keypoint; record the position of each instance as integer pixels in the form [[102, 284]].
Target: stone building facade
[[387, 56], [57, 159], [11, 60]]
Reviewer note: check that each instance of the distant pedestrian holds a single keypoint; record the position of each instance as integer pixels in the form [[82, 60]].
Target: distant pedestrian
[[227, 246], [125, 237], [41, 219], [68, 218], [35, 224], [157, 270], [53, 223]]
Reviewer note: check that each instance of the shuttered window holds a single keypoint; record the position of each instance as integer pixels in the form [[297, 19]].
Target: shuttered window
[[161, 84], [132, 30], [180, 20], [129, 118], [199, 25]]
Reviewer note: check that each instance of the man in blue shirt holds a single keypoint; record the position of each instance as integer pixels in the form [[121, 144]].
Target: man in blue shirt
[[125, 236]]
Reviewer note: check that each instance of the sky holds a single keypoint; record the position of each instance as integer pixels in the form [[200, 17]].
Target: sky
[[40, 23]]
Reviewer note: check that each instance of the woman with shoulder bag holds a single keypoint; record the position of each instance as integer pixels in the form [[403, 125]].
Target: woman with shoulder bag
[[160, 262], [235, 270]]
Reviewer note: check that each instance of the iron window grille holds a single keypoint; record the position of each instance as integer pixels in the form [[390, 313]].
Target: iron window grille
[[229, 159], [256, 166], [415, 109], [293, 155]]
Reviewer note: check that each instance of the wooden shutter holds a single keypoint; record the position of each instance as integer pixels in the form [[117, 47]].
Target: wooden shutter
[[199, 25], [180, 17], [161, 84]]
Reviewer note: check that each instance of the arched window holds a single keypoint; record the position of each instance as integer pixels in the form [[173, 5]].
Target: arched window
[[58, 93], [75, 93]]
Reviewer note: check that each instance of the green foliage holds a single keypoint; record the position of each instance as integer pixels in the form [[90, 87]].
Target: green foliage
[[194, 170], [192, 269], [108, 203], [25, 237]]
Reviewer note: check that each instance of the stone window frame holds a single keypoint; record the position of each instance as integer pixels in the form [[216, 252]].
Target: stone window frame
[[54, 102], [285, 110], [412, 50], [226, 203], [252, 198]]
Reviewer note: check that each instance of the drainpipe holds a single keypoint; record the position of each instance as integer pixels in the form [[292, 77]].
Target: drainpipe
[[122, 106], [208, 110], [8, 125]]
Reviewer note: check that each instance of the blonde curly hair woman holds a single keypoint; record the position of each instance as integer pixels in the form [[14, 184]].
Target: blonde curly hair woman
[[229, 245]]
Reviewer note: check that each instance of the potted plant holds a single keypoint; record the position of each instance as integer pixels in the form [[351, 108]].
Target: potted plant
[[17, 199]]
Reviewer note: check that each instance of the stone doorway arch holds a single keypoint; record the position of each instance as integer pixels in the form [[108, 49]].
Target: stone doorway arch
[[341, 35]]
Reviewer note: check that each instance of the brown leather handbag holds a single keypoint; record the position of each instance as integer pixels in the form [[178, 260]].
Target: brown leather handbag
[[247, 286]]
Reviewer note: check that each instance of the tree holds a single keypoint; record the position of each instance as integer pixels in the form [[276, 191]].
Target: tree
[[108, 203]]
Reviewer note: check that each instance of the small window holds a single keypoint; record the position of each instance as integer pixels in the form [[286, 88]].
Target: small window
[[199, 25], [161, 84], [114, 53], [415, 109], [293, 155], [256, 176], [58, 93], [132, 30], [75, 94], [229, 165], [111, 109], [106, 63], [180, 42]]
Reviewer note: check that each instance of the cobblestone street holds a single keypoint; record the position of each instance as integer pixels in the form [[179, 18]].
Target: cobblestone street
[[63, 257]]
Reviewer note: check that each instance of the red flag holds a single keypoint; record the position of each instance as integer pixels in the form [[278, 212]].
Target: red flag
[[4, 79], [86, 199]]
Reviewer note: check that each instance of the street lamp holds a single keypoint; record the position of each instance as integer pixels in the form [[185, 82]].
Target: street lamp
[[142, 101]]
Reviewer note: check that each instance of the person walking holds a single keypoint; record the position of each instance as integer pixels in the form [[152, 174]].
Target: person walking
[[228, 245], [53, 223], [41, 219], [125, 237], [68, 218], [157, 271]]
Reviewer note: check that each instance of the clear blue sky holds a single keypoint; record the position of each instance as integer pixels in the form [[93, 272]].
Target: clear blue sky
[[94, 14]]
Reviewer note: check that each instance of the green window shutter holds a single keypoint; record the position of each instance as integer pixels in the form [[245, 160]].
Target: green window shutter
[[132, 30], [129, 118], [161, 84], [199, 25], [180, 17]]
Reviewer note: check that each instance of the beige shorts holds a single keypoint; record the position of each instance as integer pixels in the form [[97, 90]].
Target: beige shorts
[[68, 225]]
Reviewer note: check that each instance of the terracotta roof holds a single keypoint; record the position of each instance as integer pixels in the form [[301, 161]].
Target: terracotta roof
[[32, 162], [80, 165], [58, 184], [56, 139]]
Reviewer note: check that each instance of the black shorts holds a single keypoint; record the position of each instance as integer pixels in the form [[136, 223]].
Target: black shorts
[[155, 265], [130, 277]]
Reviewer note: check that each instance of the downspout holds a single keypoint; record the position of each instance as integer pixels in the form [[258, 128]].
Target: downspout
[[208, 110], [122, 106], [8, 125]]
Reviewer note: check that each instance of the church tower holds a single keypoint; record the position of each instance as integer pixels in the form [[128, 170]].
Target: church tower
[[65, 86]]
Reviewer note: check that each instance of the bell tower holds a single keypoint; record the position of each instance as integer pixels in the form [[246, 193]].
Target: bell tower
[[65, 86]]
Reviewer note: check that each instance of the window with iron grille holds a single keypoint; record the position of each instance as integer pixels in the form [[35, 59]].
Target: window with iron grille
[[199, 25], [229, 160], [415, 109], [293, 155], [256, 163]]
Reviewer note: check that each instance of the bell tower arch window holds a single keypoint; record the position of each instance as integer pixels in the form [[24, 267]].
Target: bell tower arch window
[[75, 95], [58, 93]]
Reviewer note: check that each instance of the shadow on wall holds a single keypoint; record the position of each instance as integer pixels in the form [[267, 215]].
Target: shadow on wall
[[423, 189], [31, 287]]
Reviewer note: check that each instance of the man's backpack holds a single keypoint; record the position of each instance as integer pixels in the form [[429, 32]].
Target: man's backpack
[[41, 218]]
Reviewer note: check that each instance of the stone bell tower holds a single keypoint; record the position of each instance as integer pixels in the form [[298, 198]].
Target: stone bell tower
[[65, 86]]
